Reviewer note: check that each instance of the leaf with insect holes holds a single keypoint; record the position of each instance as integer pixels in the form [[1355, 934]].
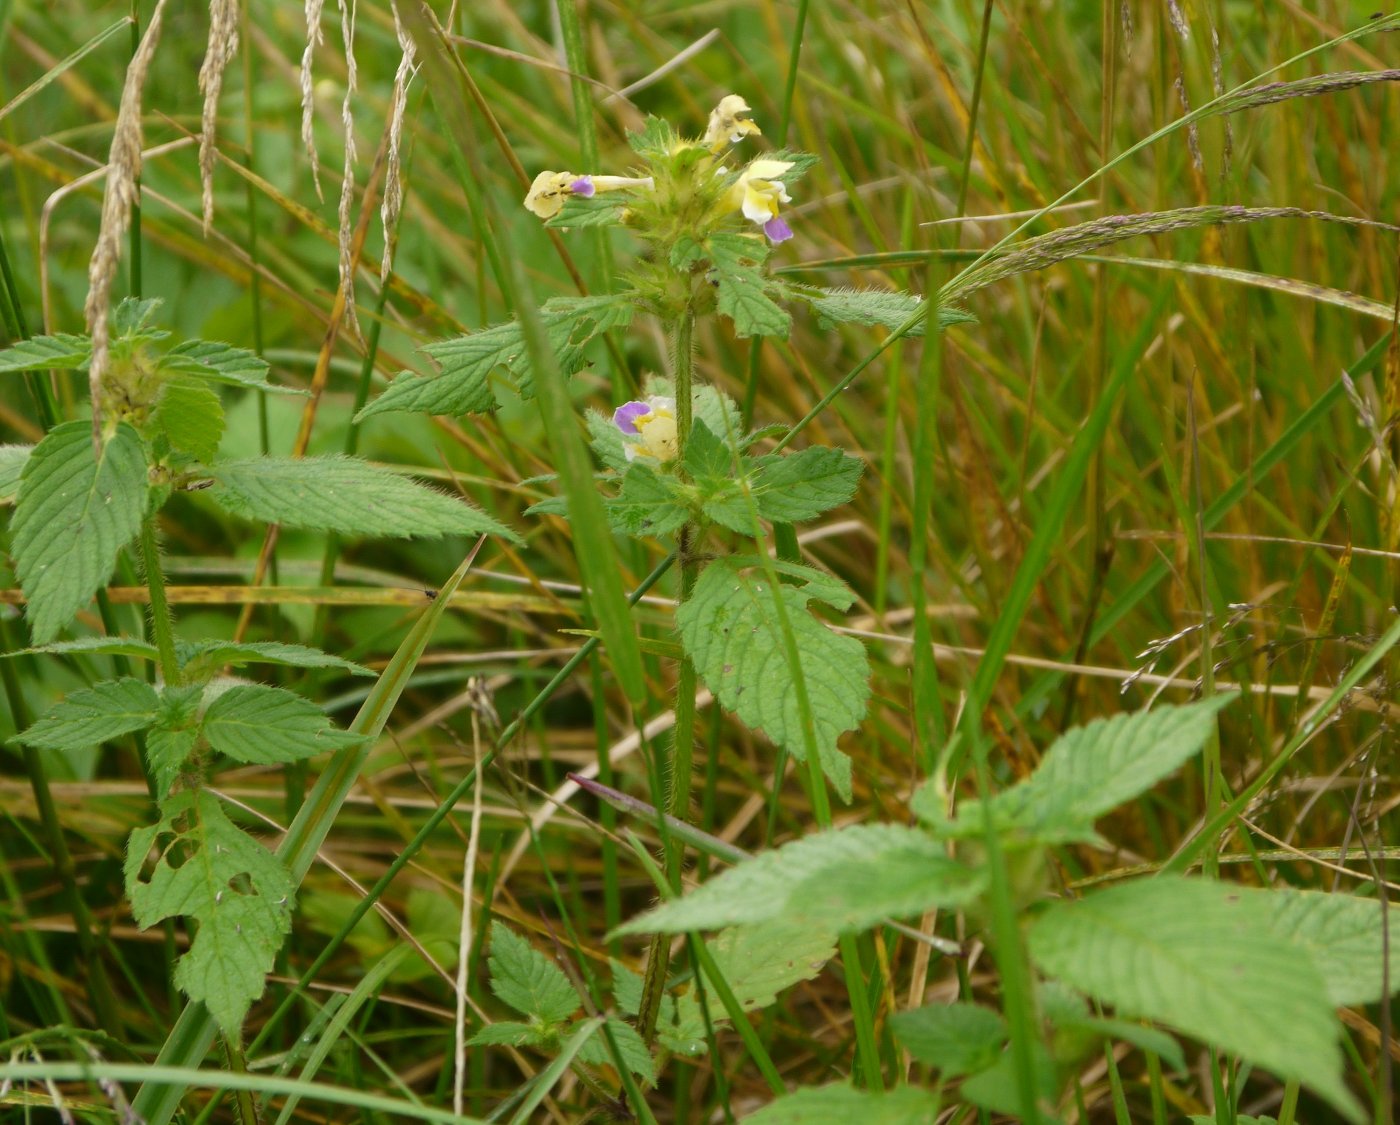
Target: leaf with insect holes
[[76, 511], [732, 628], [844, 1105], [840, 881], [344, 495], [1206, 959], [192, 419], [527, 980], [463, 386], [91, 716], [801, 486], [1088, 772], [201, 659], [267, 725], [61, 352], [743, 287], [221, 363], [238, 892], [12, 461]]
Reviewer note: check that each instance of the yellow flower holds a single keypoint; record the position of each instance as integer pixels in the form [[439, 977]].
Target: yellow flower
[[758, 192], [550, 189], [548, 192], [729, 124]]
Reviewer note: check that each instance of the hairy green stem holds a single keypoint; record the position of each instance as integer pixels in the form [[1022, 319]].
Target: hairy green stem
[[683, 733], [161, 623]]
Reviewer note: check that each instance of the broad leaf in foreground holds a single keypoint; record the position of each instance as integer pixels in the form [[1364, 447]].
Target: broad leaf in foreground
[[75, 512], [732, 630], [95, 715], [958, 1038], [259, 723], [344, 495], [1088, 772], [839, 881], [527, 980], [12, 461], [1204, 958], [232, 886], [843, 1105], [1346, 937]]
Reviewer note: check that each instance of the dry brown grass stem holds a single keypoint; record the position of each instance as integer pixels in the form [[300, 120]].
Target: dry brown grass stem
[[308, 93], [347, 183], [123, 172], [223, 45], [393, 176]]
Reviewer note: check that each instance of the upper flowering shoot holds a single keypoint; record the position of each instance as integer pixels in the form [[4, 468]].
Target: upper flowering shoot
[[729, 124], [648, 428], [758, 192]]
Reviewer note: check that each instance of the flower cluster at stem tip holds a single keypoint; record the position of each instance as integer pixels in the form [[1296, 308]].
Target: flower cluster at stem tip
[[756, 193]]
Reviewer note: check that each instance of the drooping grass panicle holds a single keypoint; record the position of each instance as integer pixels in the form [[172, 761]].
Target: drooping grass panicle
[[1083, 238], [123, 170], [308, 93], [1272, 92], [223, 45], [347, 184], [393, 178]]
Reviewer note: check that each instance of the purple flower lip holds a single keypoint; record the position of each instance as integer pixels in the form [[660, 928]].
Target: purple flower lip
[[777, 230], [625, 416], [583, 186]]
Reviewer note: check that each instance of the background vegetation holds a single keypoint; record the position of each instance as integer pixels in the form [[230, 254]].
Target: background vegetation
[[1239, 524]]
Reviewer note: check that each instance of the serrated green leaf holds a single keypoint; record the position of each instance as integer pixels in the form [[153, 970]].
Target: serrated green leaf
[[131, 317], [1089, 771], [956, 1039], [579, 213], [839, 881], [61, 352], [760, 961], [12, 462], [267, 725], [344, 495], [842, 1105], [864, 306], [508, 1033], [232, 886], [527, 980], [1204, 958], [463, 384], [998, 1089], [201, 659], [91, 716], [654, 138], [730, 629], [606, 440], [1145, 1038], [93, 646], [648, 503], [172, 738], [743, 287], [221, 363], [75, 512], [1345, 936], [801, 486], [635, 1056], [192, 419], [707, 453]]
